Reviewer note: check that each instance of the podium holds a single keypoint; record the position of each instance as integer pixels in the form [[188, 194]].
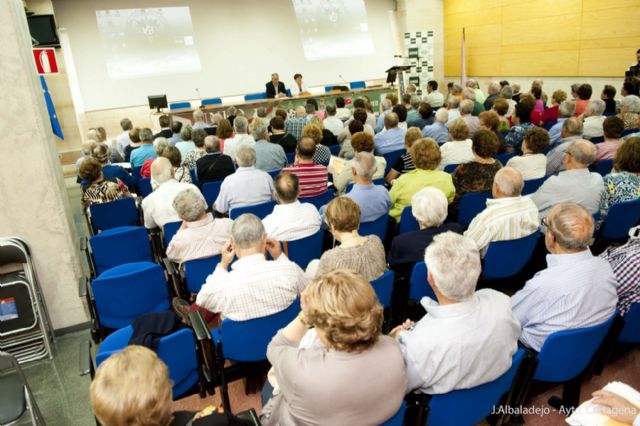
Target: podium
[[397, 73]]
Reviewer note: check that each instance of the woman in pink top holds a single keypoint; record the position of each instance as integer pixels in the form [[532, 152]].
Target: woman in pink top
[[584, 94], [613, 127]]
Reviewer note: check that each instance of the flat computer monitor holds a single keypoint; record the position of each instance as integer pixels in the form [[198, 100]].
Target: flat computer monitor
[[157, 101]]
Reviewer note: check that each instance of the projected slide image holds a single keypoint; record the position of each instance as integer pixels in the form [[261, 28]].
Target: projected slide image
[[147, 42], [333, 28]]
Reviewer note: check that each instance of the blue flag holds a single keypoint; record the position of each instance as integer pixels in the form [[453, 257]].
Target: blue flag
[[55, 124]]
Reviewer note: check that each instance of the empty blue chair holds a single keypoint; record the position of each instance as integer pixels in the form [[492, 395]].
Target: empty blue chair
[[629, 131], [211, 101], [319, 200], [328, 89], [449, 168], [419, 285], [408, 222], [597, 139], [125, 292], [398, 417], [196, 272], [505, 259], [122, 212], [503, 158], [288, 91], [603, 167], [291, 157], [274, 173], [349, 187], [620, 218], [177, 350], [392, 157], [468, 407], [255, 96], [471, 204], [118, 246], [532, 185], [169, 230], [378, 227], [335, 149], [304, 250], [179, 105], [210, 191], [357, 85], [383, 287], [261, 210], [144, 185], [630, 333]]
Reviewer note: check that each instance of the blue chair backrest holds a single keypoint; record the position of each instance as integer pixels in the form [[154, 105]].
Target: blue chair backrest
[[255, 96], [603, 167], [468, 407], [630, 332], [210, 191], [383, 287], [211, 101], [398, 417], [127, 291], [179, 105], [196, 271], [304, 250], [288, 92], [135, 172], [471, 204], [419, 285], [597, 139], [565, 354], [121, 245], [122, 212], [549, 124], [392, 157], [503, 158], [274, 173], [620, 218], [246, 341], [378, 227], [357, 85], [327, 89], [335, 149], [291, 157], [518, 252], [194, 176], [629, 131], [349, 187], [169, 230], [261, 210], [145, 187], [319, 200], [532, 185], [449, 168], [408, 222]]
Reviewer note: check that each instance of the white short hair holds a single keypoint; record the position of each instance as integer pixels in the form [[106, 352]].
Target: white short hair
[[453, 101], [631, 103], [454, 263], [365, 165], [260, 130], [386, 104], [442, 115], [240, 125], [466, 106], [189, 204], [247, 231], [159, 144], [596, 106], [429, 207], [509, 181], [469, 93], [246, 156], [198, 115]]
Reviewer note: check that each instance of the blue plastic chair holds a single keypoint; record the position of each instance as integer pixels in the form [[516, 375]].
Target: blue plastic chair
[[255, 96], [304, 250], [471, 204], [118, 246], [196, 272], [274, 173], [127, 291], [378, 227], [193, 173], [144, 185], [291, 157], [179, 105], [335, 149], [211, 101], [169, 230], [602, 167], [261, 210], [383, 287], [449, 168], [630, 333], [288, 92], [392, 157], [408, 222], [419, 285], [629, 131], [357, 85], [349, 187], [318, 200], [532, 185], [122, 212], [328, 89], [597, 139], [135, 172], [620, 218], [210, 191], [503, 158], [398, 417], [505, 259], [177, 350], [549, 124], [468, 407]]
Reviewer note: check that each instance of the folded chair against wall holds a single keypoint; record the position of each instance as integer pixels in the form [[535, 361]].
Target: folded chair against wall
[[16, 398]]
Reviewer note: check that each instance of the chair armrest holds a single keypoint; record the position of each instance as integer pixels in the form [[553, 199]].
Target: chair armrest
[[199, 326], [85, 363], [170, 266], [82, 286]]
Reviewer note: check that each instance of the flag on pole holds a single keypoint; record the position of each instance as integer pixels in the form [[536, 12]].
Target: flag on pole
[[55, 124], [463, 62]]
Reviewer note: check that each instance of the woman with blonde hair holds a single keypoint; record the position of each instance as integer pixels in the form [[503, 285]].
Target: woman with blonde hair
[[349, 374], [328, 138], [404, 164], [323, 154]]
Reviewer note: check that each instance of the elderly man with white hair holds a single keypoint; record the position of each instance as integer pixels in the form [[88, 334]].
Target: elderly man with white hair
[[566, 110], [241, 137], [571, 131], [198, 120], [577, 290], [392, 139], [593, 119], [494, 93], [429, 207], [158, 206], [294, 125], [385, 107], [508, 215], [373, 200], [247, 186], [269, 156], [575, 184], [477, 326], [200, 235], [438, 130], [470, 94]]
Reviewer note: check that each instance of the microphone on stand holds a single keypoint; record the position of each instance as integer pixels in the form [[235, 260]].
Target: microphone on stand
[[200, 98]]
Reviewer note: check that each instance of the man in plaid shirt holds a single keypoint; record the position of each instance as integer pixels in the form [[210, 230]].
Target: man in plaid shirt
[[294, 125], [625, 262]]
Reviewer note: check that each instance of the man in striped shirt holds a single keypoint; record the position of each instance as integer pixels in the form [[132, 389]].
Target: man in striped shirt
[[508, 215], [313, 178]]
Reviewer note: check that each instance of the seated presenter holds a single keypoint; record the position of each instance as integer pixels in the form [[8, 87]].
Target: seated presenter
[[275, 88], [298, 88]]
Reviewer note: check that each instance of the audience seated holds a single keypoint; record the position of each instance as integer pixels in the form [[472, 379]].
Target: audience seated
[[363, 255], [566, 110], [247, 186], [623, 183], [361, 142], [630, 111], [426, 157], [145, 150], [186, 145], [508, 94], [473, 123], [322, 155], [584, 93], [269, 156], [453, 105], [123, 140], [134, 136], [508, 215], [180, 173], [571, 132], [342, 112], [111, 171], [593, 119], [190, 159], [392, 137], [240, 138], [294, 125], [404, 163], [99, 135], [213, 165], [625, 262], [577, 289], [361, 115], [200, 235], [287, 141], [165, 129], [290, 220], [429, 207], [433, 97], [342, 371], [501, 107], [438, 130], [332, 123], [470, 94], [477, 326], [385, 108], [346, 149], [159, 144], [373, 200], [425, 116], [176, 128], [608, 96], [458, 150], [612, 128], [99, 190], [158, 206], [412, 112], [225, 131], [532, 164], [490, 120], [328, 138], [313, 178], [551, 114], [521, 123], [198, 120], [494, 93]]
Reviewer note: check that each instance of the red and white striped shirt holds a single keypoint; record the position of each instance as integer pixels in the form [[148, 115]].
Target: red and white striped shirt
[[313, 178]]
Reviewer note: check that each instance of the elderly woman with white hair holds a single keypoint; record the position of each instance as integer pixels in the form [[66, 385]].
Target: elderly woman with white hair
[[429, 207], [159, 144], [593, 119], [190, 158], [630, 111]]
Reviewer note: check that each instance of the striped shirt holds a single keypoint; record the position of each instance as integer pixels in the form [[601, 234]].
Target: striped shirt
[[404, 164], [625, 262], [503, 219], [577, 290], [312, 178]]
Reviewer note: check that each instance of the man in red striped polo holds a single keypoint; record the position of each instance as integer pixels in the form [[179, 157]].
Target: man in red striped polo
[[312, 177]]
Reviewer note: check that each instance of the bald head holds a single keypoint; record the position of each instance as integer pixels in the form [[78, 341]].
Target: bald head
[[570, 227], [301, 111], [287, 188], [391, 120], [364, 166], [581, 154], [507, 182], [466, 106], [161, 170], [306, 148]]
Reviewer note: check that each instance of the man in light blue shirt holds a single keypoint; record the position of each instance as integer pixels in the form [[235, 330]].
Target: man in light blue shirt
[[269, 156], [577, 290], [438, 130], [386, 109], [145, 150], [566, 110], [571, 131], [392, 138]]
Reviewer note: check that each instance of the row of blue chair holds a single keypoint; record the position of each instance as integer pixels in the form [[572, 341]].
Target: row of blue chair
[[186, 105]]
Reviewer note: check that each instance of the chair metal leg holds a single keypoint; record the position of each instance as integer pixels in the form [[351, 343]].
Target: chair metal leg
[[226, 403], [570, 396]]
